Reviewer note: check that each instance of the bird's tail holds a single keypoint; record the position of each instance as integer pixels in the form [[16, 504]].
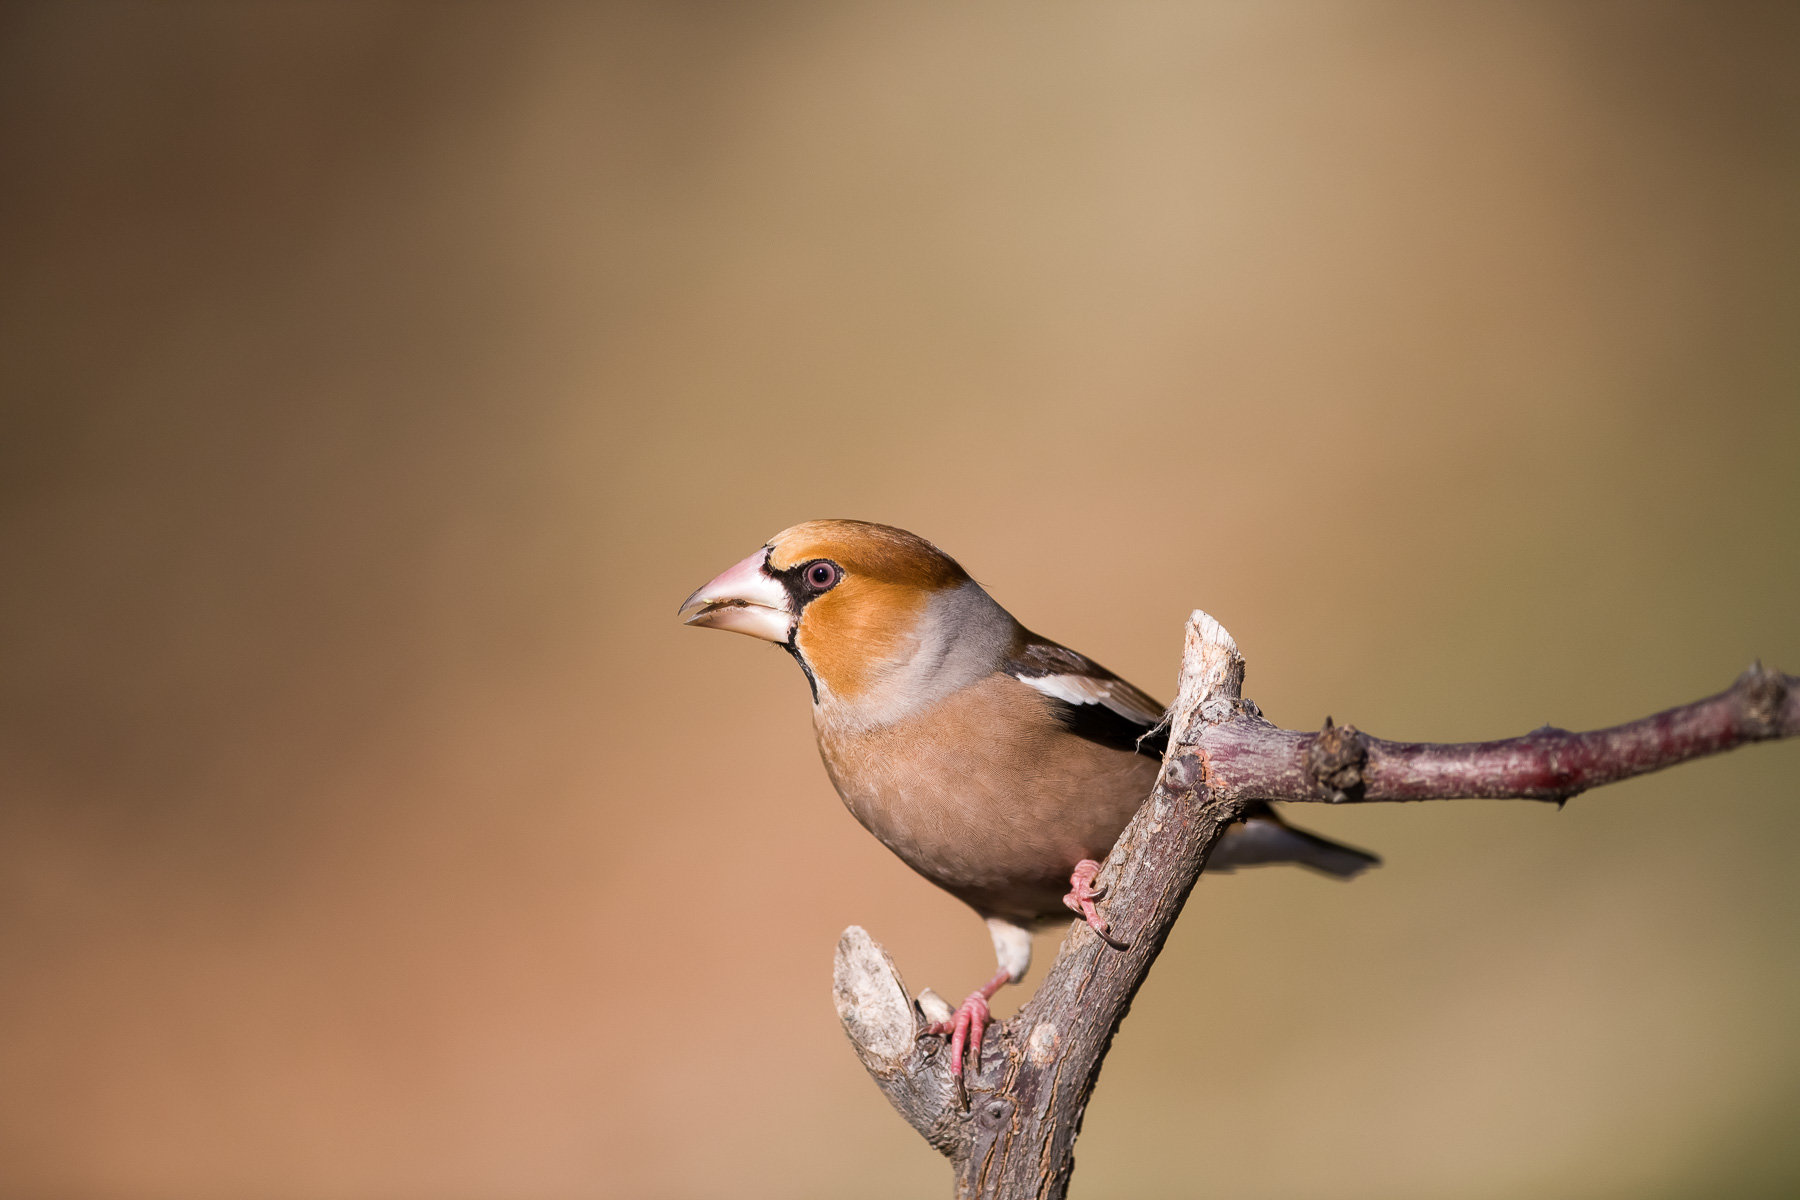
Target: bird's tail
[[1263, 837]]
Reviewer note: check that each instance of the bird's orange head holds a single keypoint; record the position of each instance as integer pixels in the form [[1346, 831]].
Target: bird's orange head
[[844, 597]]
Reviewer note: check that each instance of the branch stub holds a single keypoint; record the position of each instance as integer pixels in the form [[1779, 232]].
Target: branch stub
[[1335, 761]]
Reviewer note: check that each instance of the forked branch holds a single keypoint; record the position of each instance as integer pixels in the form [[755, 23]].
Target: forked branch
[[1012, 1134]]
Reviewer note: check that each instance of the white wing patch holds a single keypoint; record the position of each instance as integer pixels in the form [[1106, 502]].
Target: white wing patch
[[1115, 694]]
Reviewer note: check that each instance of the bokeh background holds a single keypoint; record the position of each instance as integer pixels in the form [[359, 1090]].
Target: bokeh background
[[378, 378]]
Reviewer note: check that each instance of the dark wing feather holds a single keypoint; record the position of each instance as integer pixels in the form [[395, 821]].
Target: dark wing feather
[[1090, 700]]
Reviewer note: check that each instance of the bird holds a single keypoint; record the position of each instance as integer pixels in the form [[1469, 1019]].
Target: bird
[[998, 764]]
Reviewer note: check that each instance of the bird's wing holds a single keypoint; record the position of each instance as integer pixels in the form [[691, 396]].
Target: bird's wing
[[1090, 700]]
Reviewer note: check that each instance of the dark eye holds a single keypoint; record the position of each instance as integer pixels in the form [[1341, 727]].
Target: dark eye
[[822, 575]]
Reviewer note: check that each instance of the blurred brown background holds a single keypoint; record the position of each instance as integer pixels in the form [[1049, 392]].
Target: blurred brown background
[[379, 378]]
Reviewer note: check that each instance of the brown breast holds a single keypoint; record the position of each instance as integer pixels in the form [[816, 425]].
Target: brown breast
[[987, 796]]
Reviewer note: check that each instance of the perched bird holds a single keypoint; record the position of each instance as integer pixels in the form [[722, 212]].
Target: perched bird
[[996, 763]]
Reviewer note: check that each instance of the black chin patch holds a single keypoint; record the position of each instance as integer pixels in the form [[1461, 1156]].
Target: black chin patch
[[811, 682]]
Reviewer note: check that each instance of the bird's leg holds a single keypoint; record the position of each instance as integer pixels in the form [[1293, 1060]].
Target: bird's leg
[[970, 1022]]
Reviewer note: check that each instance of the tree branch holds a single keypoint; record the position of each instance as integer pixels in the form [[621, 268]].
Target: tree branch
[[1253, 759], [1012, 1133]]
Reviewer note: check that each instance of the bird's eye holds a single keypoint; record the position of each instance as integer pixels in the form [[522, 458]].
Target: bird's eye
[[822, 575]]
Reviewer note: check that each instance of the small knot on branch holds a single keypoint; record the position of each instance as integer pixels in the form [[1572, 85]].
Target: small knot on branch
[[1184, 772], [1555, 745], [994, 1114], [1335, 761], [1761, 694]]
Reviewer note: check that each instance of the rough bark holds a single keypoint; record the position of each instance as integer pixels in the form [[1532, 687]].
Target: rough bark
[[1011, 1132]]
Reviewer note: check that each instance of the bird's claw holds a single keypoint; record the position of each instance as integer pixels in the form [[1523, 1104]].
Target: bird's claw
[[1083, 891], [965, 1028]]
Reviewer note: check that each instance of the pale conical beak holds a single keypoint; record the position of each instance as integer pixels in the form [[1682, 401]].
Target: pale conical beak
[[745, 599]]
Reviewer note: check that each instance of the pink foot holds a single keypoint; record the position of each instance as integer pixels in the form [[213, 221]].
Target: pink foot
[[1083, 893], [1081, 897], [969, 1023]]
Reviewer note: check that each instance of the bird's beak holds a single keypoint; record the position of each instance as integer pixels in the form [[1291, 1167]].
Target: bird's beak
[[745, 599]]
